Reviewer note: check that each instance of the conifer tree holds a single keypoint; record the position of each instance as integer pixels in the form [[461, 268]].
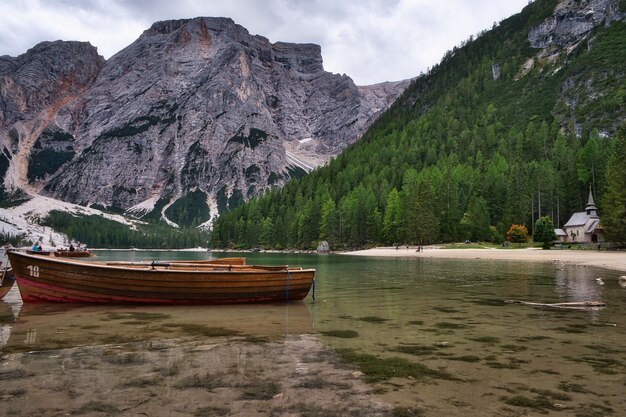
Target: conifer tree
[[392, 222], [614, 200], [328, 222]]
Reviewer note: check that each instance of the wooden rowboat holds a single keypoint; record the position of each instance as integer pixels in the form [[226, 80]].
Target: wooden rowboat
[[38, 252], [72, 253], [42, 278], [6, 281]]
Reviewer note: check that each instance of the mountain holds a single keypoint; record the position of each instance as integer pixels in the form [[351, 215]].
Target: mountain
[[513, 125], [193, 118]]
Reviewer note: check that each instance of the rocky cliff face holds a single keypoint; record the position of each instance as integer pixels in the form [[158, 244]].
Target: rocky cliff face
[[573, 20], [569, 30], [33, 87], [192, 106]]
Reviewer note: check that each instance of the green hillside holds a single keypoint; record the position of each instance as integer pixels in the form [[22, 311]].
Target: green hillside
[[461, 155]]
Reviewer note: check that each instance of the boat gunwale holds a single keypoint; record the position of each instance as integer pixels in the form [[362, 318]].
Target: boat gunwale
[[154, 268]]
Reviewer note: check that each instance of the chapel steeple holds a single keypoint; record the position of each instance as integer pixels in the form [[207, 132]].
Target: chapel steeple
[[591, 209]]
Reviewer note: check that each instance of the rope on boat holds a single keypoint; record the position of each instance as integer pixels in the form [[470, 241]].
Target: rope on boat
[[313, 287]]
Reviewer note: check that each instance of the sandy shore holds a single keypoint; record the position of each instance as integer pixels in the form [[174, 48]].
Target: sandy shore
[[609, 260]]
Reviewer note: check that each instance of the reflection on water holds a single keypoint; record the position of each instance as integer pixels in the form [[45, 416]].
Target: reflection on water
[[47, 326], [9, 310], [479, 356], [580, 286]]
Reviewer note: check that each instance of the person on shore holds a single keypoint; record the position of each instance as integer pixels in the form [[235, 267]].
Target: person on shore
[[72, 248]]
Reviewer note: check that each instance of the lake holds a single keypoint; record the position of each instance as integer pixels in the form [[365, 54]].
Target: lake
[[433, 337]]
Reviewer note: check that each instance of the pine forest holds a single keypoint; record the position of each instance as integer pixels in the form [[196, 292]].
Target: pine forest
[[480, 142]]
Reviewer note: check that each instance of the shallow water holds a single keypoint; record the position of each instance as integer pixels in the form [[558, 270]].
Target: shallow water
[[486, 357]]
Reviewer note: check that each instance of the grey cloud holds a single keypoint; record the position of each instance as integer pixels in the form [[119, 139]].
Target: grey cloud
[[370, 40]]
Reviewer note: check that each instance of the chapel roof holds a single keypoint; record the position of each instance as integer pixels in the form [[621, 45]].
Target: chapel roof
[[593, 226], [577, 219]]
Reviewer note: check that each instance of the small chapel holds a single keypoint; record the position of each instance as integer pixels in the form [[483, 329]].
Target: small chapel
[[583, 226]]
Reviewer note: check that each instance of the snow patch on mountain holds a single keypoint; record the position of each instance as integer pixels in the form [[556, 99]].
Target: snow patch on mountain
[[26, 220]]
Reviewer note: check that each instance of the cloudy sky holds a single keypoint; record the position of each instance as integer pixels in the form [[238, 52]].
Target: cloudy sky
[[370, 40]]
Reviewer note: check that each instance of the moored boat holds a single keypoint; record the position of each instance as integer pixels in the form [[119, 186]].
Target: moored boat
[[62, 253], [42, 278], [38, 252], [6, 281]]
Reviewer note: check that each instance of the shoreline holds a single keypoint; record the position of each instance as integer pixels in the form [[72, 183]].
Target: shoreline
[[609, 260], [612, 260]]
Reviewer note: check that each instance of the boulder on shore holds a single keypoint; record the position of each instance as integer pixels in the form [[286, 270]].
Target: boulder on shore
[[323, 247]]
